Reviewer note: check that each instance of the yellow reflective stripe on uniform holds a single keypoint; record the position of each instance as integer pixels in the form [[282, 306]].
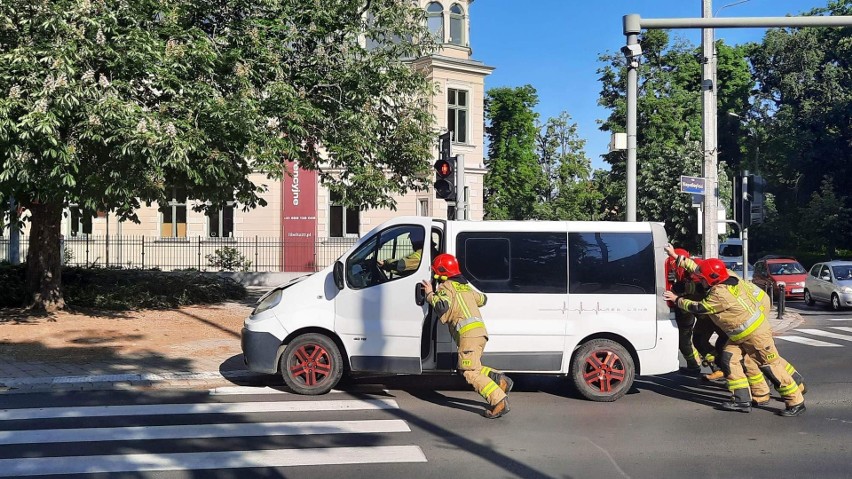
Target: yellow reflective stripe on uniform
[[710, 309], [790, 369], [485, 371], [738, 384], [788, 390], [459, 288], [487, 390], [756, 379], [748, 327], [468, 327], [687, 264], [416, 254]]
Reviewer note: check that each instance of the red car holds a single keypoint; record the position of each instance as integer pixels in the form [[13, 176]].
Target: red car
[[770, 271]]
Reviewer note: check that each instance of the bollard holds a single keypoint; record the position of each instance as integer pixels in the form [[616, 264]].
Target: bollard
[[781, 299]]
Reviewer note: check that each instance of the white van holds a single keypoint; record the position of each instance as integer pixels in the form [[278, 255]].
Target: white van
[[582, 299]]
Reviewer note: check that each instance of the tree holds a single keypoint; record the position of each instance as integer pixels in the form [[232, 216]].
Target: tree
[[569, 194], [669, 127], [109, 103], [802, 108], [515, 182], [827, 219]]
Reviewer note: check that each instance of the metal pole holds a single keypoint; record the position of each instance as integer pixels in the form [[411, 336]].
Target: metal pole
[[708, 96], [14, 233], [461, 205], [631, 30], [744, 235]]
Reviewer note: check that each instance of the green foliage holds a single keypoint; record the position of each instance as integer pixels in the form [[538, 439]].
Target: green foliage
[[12, 285], [137, 289], [228, 259], [114, 289], [802, 115], [515, 182], [106, 103]]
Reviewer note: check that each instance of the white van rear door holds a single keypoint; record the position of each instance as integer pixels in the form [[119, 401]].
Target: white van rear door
[[376, 315]]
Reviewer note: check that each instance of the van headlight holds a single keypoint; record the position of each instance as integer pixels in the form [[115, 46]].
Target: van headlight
[[268, 302]]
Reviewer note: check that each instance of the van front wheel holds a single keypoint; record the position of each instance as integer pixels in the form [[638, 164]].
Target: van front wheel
[[311, 364], [602, 370]]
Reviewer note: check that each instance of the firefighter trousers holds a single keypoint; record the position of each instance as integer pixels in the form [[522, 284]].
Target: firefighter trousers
[[759, 346], [470, 364], [685, 324]]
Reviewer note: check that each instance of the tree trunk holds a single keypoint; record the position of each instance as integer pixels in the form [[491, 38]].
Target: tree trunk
[[44, 263]]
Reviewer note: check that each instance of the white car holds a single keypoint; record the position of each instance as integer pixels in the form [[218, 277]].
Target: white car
[[830, 282]]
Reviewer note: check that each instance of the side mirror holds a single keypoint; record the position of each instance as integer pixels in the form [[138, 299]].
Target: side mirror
[[338, 275], [419, 294]]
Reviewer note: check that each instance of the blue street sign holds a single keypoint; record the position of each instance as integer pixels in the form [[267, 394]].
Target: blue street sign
[[693, 184]]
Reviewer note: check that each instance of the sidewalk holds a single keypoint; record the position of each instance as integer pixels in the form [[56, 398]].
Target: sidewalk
[[193, 347]]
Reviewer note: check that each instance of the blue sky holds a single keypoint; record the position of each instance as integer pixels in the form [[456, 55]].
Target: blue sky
[[553, 45]]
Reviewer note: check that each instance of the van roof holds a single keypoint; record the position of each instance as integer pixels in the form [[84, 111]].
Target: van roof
[[534, 225]]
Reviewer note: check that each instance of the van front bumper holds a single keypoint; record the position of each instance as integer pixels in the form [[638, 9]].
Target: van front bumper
[[260, 351]]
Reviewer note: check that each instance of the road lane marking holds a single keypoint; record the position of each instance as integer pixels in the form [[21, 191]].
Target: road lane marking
[[201, 431], [212, 408], [827, 334], [228, 390], [808, 341], [842, 328], [837, 319], [209, 460]]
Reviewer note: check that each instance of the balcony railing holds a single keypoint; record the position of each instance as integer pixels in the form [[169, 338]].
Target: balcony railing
[[256, 254]]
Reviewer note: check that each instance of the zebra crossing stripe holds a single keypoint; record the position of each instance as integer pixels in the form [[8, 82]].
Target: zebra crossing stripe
[[201, 431], [209, 460], [837, 319], [229, 390], [808, 341], [842, 328], [212, 408], [827, 334]]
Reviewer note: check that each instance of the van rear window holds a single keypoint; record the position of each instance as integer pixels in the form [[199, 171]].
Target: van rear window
[[514, 262], [611, 263]]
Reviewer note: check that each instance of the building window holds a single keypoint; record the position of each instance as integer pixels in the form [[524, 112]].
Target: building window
[[173, 214], [456, 25], [220, 222], [343, 221], [435, 20], [422, 207], [457, 101]]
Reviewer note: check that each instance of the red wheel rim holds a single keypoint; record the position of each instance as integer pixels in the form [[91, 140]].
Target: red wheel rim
[[603, 371], [310, 365]]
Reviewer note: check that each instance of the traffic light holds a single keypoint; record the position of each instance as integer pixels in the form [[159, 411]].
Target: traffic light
[[445, 178], [756, 192], [748, 199]]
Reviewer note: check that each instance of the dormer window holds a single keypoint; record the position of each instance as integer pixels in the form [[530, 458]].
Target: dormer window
[[456, 24], [435, 20]]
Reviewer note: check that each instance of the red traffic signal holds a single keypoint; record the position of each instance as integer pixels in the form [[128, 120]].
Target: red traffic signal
[[445, 179]]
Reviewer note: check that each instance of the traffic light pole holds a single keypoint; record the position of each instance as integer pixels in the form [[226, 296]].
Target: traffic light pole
[[461, 200]]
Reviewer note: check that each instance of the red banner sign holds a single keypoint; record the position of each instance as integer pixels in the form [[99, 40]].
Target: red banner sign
[[298, 219]]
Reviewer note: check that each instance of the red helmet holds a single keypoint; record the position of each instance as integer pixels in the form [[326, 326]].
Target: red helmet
[[713, 271], [671, 264], [445, 266]]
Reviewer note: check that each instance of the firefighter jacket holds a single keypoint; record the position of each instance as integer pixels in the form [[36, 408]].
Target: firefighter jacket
[[730, 306], [407, 264], [696, 291], [457, 303]]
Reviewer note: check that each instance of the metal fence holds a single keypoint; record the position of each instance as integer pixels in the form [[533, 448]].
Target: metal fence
[[255, 254]]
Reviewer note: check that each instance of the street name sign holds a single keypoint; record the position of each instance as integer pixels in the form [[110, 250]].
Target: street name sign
[[693, 184]]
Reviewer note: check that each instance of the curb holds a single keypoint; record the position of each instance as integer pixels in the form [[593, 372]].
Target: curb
[[126, 381]]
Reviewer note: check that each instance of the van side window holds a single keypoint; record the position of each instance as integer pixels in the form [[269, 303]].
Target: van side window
[[514, 262], [389, 255], [611, 263]]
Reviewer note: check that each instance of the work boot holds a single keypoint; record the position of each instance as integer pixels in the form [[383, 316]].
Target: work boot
[[497, 410], [505, 383], [792, 411], [736, 406], [502, 380], [760, 401], [714, 376]]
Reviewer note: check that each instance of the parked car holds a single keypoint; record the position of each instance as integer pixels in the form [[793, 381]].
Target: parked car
[[731, 250], [770, 271], [830, 282], [737, 267]]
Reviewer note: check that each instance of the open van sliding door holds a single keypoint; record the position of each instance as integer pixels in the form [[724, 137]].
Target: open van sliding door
[[376, 315]]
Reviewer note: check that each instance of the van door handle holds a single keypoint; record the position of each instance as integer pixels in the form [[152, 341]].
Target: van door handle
[[419, 294]]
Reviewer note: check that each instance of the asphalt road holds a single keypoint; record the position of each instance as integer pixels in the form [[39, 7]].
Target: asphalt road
[[666, 427]]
